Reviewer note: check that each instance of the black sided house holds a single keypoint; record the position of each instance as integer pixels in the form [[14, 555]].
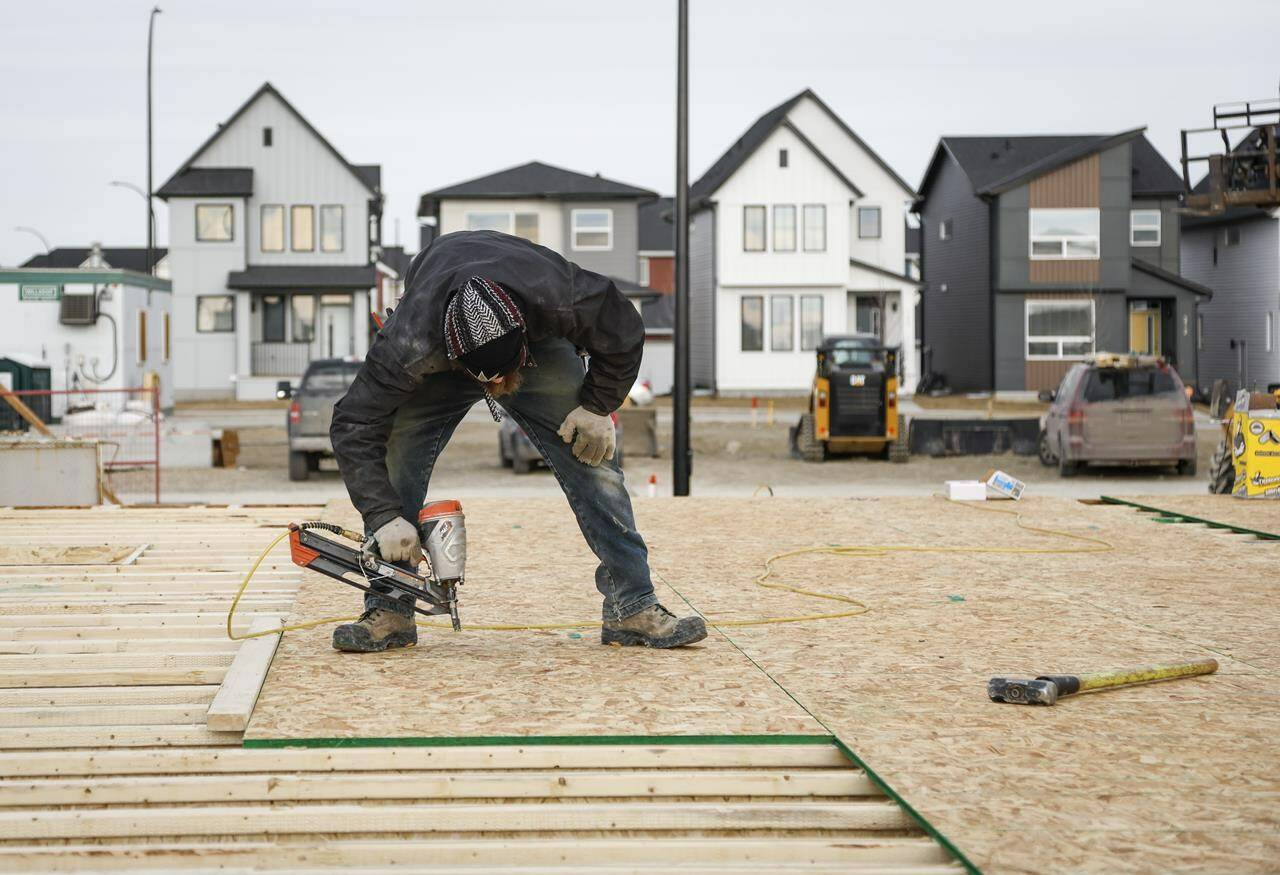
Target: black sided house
[[1038, 251]]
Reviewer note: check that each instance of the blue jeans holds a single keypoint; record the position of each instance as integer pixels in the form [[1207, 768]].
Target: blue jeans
[[598, 496]]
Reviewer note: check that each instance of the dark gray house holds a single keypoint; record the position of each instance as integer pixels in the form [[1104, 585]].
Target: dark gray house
[[1237, 253], [1038, 251]]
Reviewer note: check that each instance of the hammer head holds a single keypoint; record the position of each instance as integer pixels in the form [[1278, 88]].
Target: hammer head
[[1022, 692]]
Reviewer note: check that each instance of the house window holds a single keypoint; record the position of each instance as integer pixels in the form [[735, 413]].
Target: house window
[[1144, 227], [214, 222], [166, 337], [810, 321], [944, 229], [1059, 329], [753, 236], [302, 318], [815, 228], [273, 318], [331, 228], [142, 336], [869, 222], [215, 313], [591, 229], [1231, 235], [784, 228], [1200, 331], [782, 323], [303, 219], [752, 323], [266, 136], [782, 157], [520, 224], [1269, 329], [272, 231], [1064, 234], [644, 270]]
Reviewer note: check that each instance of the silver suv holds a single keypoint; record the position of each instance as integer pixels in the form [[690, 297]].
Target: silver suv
[[311, 410], [1119, 410]]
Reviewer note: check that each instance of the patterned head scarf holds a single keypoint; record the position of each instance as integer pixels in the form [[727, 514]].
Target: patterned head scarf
[[484, 332]]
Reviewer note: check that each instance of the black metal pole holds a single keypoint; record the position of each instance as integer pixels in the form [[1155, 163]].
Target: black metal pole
[[680, 455], [151, 216]]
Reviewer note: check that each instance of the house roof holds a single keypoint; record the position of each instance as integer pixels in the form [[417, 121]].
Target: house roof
[[368, 174], [533, 180], [891, 274], [303, 276], [659, 314], [751, 140], [633, 289], [122, 257], [1160, 273], [208, 182], [396, 258], [994, 164], [657, 234]]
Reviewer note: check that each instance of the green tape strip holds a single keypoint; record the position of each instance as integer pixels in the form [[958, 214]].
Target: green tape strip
[[537, 740], [1170, 516]]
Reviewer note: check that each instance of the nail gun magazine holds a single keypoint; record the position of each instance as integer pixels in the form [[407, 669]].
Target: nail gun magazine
[[442, 529]]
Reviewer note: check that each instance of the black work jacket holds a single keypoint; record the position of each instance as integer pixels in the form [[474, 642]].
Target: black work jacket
[[558, 299]]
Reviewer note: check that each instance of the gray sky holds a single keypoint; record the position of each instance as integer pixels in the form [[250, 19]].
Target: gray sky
[[439, 92]]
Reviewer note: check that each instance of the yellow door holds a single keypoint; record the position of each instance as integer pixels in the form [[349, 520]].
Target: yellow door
[[1144, 330]]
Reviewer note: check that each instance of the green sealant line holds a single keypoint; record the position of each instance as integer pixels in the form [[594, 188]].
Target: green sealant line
[[538, 740], [1174, 516]]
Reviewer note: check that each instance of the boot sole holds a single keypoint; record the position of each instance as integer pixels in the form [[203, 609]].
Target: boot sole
[[347, 643], [692, 634]]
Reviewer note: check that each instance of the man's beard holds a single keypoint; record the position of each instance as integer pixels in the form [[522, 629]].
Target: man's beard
[[509, 386]]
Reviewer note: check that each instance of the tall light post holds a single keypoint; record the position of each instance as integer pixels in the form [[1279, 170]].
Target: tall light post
[[680, 455], [151, 215], [24, 229], [142, 194]]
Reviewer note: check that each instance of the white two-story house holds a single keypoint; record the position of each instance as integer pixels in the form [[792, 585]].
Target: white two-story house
[[273, 253], [796, 233]]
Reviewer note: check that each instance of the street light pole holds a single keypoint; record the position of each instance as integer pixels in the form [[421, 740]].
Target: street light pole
[[680, 455], [26, 230], [151, 216], [142, 194]]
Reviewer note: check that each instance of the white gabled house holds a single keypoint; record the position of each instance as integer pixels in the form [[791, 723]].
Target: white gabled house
[[796, 232], [273, 253]]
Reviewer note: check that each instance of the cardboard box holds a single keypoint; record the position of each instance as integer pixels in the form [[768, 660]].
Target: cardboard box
[[966, 490], [1006, 485]]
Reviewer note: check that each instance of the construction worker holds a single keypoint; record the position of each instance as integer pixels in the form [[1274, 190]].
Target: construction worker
[[490, 316]]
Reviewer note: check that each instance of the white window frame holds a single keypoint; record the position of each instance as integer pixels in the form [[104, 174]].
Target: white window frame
[[1033, 239], [644, 271], [775, 337], [1270, 329], [795, 231], [511, 220], [1060, 339], [574, 229], [802, 230], [944, 229], [1133, 226], [879, 219], [1200, 331]]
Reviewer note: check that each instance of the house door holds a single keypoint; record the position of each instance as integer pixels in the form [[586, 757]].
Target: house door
[[863, 315], [335, 326], [1144, 328]]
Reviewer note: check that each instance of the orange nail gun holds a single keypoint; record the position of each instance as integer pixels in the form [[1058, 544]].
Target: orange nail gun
[[443, 531]]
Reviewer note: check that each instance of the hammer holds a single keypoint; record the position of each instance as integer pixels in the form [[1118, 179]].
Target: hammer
[[1048, 688]]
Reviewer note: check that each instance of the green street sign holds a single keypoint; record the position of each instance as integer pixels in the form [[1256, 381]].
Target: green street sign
[[40, 293]]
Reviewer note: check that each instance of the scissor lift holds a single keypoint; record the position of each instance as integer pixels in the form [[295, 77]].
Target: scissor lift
[[1247, 174]]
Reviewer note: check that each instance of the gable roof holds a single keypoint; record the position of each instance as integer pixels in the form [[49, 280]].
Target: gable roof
[[1177, 280], [368, 174], [657, 234], [208, 182], [995, 164], [533, 180], [751, 140], [122, 257]]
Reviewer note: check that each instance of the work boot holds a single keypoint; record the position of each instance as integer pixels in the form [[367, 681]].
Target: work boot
[[654, 626], [377, 629]]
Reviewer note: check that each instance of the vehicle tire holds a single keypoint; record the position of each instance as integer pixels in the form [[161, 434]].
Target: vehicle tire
[[521, 466], [1065, 468], [899, 450], [1187, 467], [299, 467], [313, 461], [807, 444], [1222, 470], [1047, 457]]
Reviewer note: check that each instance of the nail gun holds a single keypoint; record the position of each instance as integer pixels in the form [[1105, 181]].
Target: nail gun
[[442, 529]]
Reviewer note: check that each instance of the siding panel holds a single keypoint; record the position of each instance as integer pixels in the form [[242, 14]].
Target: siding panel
[[1076, 185]]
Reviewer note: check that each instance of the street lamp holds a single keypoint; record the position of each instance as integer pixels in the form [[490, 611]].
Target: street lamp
[[25, 229], [681, 457], [151, 214]]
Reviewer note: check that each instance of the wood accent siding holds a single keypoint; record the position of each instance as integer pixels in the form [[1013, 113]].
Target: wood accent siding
[[1078, 184], [1048, 374], [1065, 271]]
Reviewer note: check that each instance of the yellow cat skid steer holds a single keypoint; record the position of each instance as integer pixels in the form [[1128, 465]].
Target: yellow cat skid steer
[[853, 406]]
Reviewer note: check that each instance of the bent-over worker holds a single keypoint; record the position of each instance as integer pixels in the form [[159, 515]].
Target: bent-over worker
[[486, 315]]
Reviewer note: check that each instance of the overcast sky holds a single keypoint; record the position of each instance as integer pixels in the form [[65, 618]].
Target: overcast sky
[[439, 92]]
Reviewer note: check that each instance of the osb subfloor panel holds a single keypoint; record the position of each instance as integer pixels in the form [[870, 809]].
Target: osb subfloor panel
[[527, 565], [1177, 776], [1261, 515]]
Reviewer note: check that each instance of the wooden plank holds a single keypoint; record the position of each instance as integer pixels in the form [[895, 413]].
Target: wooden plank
[[590, 852], [115, 661], [204, 644], [53, 697], [447, 818], [124, 736], [233, 705], [111, 677], [132, 633], [128, 715], [284, 787], [117, 618], [337, 759]]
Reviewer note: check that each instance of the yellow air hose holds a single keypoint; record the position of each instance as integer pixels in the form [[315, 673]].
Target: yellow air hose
[[859, 551]]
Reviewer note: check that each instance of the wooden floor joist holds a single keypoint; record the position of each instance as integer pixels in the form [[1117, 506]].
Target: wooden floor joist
[[233, 704]]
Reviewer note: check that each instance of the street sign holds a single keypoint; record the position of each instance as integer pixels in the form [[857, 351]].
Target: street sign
[[40, 293]]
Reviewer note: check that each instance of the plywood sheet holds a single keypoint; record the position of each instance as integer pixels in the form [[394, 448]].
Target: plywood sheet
[[528, 565]]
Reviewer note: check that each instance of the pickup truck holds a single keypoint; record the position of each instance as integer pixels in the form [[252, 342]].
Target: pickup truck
[[311, 410]]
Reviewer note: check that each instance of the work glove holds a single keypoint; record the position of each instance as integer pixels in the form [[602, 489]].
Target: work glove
[[398, 541], [595, 441]]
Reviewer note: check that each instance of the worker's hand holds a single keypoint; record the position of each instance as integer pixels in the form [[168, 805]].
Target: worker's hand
[[596, 440], [398, 541]]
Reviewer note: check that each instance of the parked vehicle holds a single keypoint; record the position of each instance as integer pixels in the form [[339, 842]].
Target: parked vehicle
[[1119, 410], [853, 404], [311, 410], [517, 452]]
